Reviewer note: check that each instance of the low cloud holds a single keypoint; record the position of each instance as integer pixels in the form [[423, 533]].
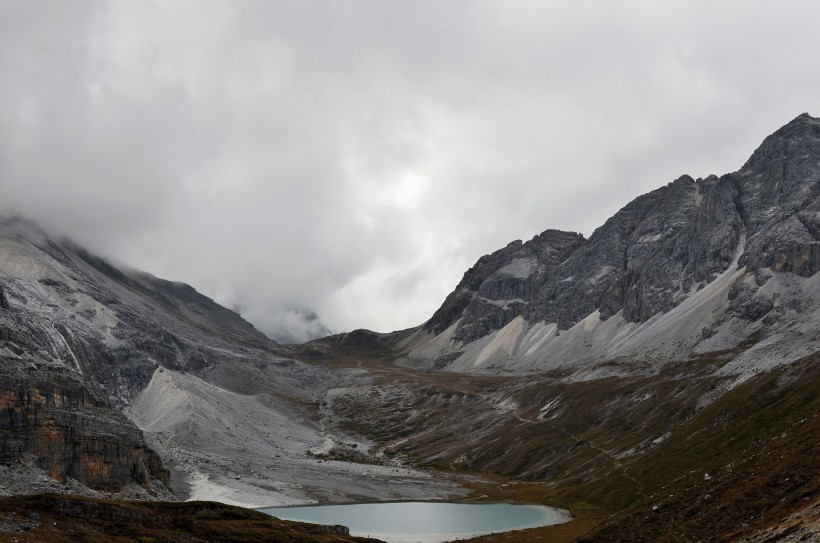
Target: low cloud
[[288, 326], [351, 160]]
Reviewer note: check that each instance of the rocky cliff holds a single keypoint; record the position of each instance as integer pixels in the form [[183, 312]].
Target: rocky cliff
[[500, 285], [71, 430], [664, 369]]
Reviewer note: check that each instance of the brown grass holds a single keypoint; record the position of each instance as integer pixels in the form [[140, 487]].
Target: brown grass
[[54, 518]]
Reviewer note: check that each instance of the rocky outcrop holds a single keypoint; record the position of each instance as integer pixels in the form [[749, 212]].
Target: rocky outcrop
[[648, 257], [779, 195], [71, 429], [651, 255], [336, 529], [500, 285], [643, 261], [178, 299]]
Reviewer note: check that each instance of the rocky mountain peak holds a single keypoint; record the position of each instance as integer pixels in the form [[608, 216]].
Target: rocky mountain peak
[[795, 140], [778, 196], [492, 292], [653, 256]]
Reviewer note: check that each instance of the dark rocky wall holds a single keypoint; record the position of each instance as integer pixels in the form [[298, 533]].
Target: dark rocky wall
[[491, 294], [71, 429]]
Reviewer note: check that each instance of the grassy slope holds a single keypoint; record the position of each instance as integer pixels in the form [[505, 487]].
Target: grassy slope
[[583, 449], [759, 445]]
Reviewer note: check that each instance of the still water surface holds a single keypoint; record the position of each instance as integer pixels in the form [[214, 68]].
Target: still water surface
[[427, 522]]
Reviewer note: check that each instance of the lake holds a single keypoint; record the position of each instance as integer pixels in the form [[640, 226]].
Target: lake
[[427, 522]]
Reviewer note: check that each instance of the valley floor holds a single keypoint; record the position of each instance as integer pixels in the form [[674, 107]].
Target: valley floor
[[256, 450], [679, 455]]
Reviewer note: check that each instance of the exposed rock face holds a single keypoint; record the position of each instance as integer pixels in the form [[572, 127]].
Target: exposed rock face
[[111, 325], [498, 287], [656, 253], [643, 261], [71, 429], [778, 190], [646, 258]]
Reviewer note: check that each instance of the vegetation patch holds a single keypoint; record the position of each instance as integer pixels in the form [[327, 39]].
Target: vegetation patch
[[51, 518]]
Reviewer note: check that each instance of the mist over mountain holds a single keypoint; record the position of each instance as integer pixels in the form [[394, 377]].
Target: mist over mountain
[[293, 326]]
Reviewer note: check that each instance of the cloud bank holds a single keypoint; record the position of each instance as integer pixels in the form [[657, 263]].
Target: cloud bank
[[352, 159]]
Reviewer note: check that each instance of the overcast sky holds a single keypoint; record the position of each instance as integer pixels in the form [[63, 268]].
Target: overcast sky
[[354, 158]]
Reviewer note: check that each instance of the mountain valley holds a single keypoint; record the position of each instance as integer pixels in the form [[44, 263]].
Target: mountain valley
[[660, 379]]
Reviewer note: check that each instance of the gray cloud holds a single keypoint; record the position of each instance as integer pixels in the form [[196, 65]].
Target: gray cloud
[[352, 159]]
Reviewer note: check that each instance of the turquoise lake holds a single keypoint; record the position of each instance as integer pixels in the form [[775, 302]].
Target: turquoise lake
[[426, 522]]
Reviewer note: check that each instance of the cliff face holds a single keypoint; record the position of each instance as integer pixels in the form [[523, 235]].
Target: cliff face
[[500, 285], [647, 258], [649, 262], [53, 412], [778, 196], [71, 429]]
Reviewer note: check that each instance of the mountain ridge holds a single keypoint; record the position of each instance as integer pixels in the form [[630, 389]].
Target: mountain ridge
[[647, 260]]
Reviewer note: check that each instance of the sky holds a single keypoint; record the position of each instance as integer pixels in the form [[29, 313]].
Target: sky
[[333, 165]]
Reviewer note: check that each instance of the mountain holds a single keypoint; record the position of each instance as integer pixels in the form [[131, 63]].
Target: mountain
[[660, 379], [115, 381], [661, 376], [694, 267]]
